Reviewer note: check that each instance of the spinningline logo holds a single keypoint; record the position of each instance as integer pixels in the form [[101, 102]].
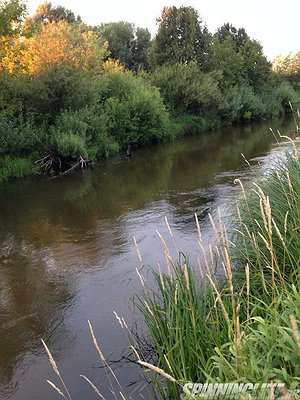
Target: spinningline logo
[[227, 391]]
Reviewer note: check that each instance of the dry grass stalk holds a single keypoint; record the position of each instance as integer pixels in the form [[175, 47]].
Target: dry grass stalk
[[171, 234], [55, 368], [296, 332], [138, 251], [198, 227], [57, 389], [142, 279], [93, 386], [102, 358], [167, 254], [157, 370], [220, 301]]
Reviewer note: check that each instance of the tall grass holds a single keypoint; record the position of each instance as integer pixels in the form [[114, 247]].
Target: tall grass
[[13, 167], [244, 327]]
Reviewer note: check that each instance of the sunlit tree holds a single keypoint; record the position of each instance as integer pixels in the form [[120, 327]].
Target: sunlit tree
[[46, 13], [56, 44]]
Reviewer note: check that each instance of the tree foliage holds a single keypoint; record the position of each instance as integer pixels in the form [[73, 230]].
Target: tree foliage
[[186, 88], [46, 13], [12, 14], [68, 95], [127, 44], [181, 38], [54, 45], [240, 58]]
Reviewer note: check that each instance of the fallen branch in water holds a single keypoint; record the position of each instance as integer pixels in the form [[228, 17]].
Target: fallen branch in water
[[57, 166]]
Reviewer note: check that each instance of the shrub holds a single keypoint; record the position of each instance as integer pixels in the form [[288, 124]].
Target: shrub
[[243, 103], [286, 94], [18, 137], [69, 144], [133, 110], [186, 89]]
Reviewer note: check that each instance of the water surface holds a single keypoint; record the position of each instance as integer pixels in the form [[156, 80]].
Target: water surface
[[67, 252]]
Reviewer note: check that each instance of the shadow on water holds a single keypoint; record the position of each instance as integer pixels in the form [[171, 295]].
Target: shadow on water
[[66, 250]]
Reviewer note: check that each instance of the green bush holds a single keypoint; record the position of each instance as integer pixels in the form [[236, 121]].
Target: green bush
[[133, 110], [186, 89], [69, 144], [18, 137], [88, 124], [243, 104], [286, 94]]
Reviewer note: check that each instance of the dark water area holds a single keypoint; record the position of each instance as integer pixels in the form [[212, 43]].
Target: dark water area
[[67, 253]]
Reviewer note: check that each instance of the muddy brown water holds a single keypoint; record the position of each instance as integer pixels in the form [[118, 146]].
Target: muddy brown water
[[67, 253]]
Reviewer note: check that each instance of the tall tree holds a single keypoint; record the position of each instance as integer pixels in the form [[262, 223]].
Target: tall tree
[[127, 44], [240, 58], [46, 14], [140, 49], [119, 36], [182, 37], [238, 36]]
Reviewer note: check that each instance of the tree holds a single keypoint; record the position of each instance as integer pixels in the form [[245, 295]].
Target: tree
[[240, 58], [119, 36], [46, 14], [140, 49], [257, 67], [182, 37], [12, 14], [238, 36], [288, 68], [226, 58], [54, 45], [127, 44]]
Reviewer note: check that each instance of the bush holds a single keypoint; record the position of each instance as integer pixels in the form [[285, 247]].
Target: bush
[[18, 137], [69, 145], [243, 104], [186, 89], [286, 94], [133, 110]]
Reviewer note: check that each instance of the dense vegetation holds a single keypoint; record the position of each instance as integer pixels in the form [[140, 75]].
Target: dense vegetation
[[242, 324], [72, 93]]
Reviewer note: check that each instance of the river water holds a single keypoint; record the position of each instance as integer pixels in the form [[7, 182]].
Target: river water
[[67, 253]]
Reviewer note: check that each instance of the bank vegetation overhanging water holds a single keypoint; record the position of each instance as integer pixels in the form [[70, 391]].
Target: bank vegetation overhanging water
[[72, 93]]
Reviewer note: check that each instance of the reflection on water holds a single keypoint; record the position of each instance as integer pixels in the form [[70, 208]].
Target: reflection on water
[[67, 255]]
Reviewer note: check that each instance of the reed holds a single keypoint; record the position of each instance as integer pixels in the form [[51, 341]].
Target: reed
[[244, 327]]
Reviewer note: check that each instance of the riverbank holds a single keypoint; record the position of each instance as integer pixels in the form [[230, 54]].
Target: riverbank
[[72, 144], [244, 326]]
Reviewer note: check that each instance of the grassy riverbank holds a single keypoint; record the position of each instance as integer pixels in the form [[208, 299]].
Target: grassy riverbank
[[243, 327]]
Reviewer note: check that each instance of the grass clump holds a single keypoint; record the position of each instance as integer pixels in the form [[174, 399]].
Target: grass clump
[[244, 326], [12, 168]]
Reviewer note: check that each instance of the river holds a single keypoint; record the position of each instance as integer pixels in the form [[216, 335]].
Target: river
[[67, 253]]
